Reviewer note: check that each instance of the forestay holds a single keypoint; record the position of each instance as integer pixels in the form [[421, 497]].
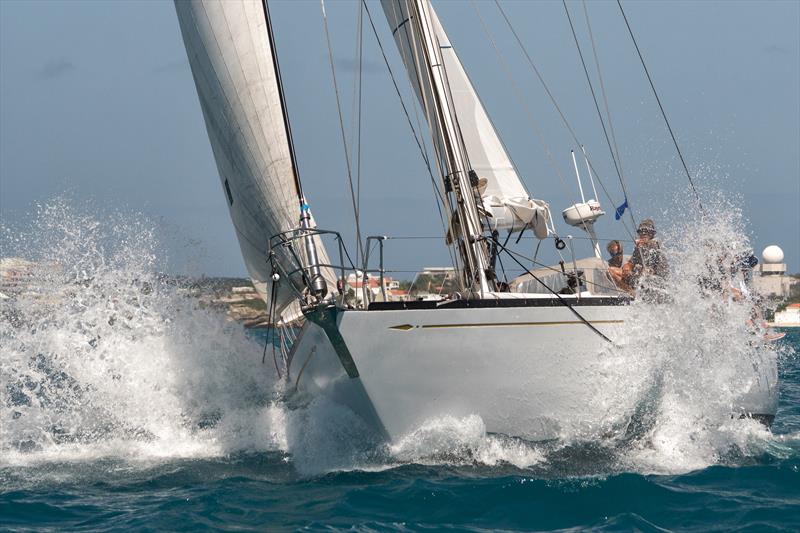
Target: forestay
[[231, 58], [503, 193]]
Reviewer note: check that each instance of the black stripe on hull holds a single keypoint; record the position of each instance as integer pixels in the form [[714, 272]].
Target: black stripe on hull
[[492, 303]]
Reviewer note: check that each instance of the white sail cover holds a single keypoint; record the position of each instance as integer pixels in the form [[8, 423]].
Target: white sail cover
[[504, 196], [231, 57]]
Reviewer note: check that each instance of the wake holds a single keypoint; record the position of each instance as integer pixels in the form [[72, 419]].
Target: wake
[[105, 358]]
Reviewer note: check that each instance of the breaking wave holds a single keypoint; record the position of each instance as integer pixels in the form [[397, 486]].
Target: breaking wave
[[692, 358], [102, 357]]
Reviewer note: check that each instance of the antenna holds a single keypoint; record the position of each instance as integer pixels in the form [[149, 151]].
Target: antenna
[[589, 168], [577, 175], [584, 214]]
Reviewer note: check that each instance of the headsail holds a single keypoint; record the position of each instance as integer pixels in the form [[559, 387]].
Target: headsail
[[235, 72], [503, 193]]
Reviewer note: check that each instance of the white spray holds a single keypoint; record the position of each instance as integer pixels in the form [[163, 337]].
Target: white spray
[[102, 357]]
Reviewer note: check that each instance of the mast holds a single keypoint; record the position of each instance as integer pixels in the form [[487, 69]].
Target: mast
[[459, 182]]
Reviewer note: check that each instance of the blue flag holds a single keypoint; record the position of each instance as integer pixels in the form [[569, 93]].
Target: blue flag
[[621, 209]]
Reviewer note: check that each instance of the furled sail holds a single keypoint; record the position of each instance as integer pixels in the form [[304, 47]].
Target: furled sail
[[231, 57], [504, 196]]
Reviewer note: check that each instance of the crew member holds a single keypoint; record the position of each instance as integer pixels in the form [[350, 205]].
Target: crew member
[[614, 249]]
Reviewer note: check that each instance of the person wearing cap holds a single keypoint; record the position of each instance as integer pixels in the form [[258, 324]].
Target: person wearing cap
[[647, 257], [647, 260]]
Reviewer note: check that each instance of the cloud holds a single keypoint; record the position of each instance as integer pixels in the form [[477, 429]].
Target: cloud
[[55, 68], [171, 66]]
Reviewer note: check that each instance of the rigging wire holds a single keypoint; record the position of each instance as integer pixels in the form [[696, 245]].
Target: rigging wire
[[414, 64], [518, 94], [446, 220], [422, 150], [270, 338], [440, 201], [359, 251], [540, 137], [545, 266], [591, 86], [525, 237], [357, 104], [661, 107], [433, 104], [605, 104], [555, 104], [525, 270], [536, 252], [517, 91], [597, 105], [554, 293], [480, 209], [410, 85]]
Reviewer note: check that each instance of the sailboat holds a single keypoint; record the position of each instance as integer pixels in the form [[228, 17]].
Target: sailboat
[[525, 360]]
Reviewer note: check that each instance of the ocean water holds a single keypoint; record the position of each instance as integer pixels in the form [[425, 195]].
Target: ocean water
[[126, 405]]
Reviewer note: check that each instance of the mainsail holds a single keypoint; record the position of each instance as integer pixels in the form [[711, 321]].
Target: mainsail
[[503, 194], [238, 83]]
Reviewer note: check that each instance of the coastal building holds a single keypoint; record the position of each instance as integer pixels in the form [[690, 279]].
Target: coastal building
[[356, 283], [15, 275], [15, 269], [788, 318], [769, 276]]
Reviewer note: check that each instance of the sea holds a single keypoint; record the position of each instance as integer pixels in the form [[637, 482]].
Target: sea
[[127, 405]]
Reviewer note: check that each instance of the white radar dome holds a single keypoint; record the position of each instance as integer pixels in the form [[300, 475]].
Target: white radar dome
[[772, 254]]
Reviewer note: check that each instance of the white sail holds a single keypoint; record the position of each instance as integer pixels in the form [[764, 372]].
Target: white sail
[[232, 62], [503, 193]]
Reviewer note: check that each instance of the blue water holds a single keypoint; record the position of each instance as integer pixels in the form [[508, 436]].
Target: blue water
[[572, 486]]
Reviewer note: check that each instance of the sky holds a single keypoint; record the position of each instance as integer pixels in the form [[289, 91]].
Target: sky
[[97, 102]]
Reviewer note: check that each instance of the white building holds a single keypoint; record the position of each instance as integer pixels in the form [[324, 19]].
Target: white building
[[769, 276]]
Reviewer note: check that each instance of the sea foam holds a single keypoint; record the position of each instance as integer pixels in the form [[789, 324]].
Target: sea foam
[[102, 357]]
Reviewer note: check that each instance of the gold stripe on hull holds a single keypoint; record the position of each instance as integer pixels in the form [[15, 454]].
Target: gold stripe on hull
[[406, 327]]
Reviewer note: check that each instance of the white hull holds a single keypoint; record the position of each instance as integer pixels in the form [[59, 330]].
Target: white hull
[[526, 371]]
